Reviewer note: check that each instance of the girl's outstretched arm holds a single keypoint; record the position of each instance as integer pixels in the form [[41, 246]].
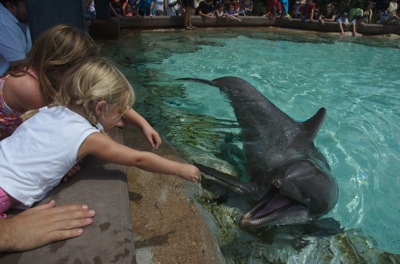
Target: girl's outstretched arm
[[105, 148], [149, 132]]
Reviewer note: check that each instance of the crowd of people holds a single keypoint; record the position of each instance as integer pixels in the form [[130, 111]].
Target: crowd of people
[[360, 11], [59, 84]]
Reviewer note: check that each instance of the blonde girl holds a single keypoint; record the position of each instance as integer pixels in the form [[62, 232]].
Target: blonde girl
[[39, 153]]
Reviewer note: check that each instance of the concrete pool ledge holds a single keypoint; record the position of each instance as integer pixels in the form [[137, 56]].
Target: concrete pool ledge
[[111, 27], [102, 186]]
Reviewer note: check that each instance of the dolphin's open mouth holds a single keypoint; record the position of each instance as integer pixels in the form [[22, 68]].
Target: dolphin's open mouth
[[274, 208]]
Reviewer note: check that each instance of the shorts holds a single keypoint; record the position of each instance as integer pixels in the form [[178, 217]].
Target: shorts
[[340, 20], [188, 3], [5, 202]]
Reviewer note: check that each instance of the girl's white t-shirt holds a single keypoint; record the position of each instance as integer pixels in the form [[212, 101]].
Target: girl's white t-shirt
[[35, 158]]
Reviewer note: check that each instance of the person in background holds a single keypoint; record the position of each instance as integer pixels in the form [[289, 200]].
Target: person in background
[[205, 9], [93, 98], [296, 9], [248, 7], [15, 36], [220, 12], [146, 7], [135, 4], [172, 7], [90, 9], [285, 6], [241, 10], [274, 11], [307, 11], [116, 8], [268, 6], [343, 16], [329, 15], [159, 8], [42, 225], [368, 12], [188, 7], [231, 12], [392, 18], [356, 16], [128, 11], [316, 14]]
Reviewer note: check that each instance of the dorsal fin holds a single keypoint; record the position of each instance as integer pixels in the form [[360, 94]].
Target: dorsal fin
[[312, 125]]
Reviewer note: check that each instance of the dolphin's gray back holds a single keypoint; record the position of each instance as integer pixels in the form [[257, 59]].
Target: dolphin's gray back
[[270, 136]]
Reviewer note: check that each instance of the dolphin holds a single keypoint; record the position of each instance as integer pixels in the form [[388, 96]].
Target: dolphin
[[290, 180]]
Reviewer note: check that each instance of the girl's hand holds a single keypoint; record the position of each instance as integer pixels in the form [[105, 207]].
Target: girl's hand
[[152, 136], [190, 173]]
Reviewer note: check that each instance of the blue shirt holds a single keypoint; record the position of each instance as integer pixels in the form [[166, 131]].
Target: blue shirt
[[15, 39]]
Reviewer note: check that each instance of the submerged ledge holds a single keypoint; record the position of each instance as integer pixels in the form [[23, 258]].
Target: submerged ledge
[[111, 27]]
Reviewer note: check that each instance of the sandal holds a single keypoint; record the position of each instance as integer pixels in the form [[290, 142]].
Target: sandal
[[188, 28]]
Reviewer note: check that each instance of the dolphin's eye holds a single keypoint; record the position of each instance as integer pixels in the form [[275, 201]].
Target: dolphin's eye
[[277, 183]]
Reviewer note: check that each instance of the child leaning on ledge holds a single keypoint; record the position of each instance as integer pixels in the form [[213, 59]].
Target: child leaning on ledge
[[92, 98]]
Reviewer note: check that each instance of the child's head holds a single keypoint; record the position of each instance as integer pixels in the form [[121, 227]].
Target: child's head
[[96, 83], [55, 51]]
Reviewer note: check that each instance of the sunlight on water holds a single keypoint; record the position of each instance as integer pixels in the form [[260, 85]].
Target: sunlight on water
[[358, 84]]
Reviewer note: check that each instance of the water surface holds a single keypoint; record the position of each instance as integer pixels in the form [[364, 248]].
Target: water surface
[[355, 79]]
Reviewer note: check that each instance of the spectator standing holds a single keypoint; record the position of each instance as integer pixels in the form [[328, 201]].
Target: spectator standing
[[172, 7], [159, 8], [15, 40], [134, 6], [285, 6], [188, 7], [146, 7]]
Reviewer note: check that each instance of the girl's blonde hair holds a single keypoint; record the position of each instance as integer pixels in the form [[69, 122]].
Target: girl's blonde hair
[[54, 52], [97, 79]]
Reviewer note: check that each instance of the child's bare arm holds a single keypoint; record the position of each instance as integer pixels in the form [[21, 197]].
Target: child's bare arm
[[107, 149], [149, 132]]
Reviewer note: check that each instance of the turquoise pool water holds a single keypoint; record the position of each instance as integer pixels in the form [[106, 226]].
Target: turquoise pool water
[[356, 79]]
